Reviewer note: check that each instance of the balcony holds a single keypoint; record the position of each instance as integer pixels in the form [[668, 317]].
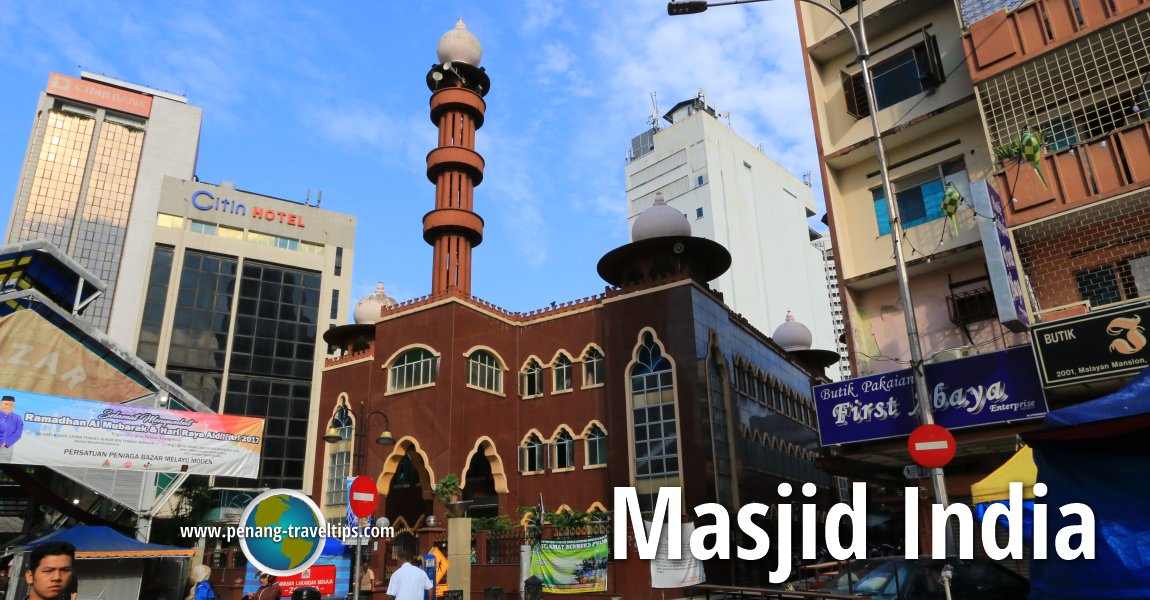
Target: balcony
[[1077, 176], [1005, 39]]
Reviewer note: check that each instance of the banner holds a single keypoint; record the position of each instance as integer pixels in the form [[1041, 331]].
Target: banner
[[39, 357], [38, 429], [571, 566], [987, 388], [685, 572], [1097, 346]]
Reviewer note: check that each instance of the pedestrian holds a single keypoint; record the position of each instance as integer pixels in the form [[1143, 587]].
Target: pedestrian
[[366, 580], [269, 588], [49, 570], [408, 582], [201, 589]]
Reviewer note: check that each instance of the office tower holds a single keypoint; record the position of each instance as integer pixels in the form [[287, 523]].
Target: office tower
[[239, 287], [98, 153]]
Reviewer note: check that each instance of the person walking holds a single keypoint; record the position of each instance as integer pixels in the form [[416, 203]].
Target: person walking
[[408, 582], [269, 588]]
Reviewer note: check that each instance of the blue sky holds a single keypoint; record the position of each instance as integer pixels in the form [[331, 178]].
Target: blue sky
[[330, 96]]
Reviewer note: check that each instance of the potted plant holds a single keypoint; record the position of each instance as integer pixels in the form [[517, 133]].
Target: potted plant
[[447, 491]]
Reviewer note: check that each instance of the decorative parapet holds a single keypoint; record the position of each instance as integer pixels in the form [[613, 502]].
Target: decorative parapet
[[349, 357]]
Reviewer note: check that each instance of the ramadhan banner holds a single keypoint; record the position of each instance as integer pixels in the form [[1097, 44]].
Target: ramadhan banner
[[39, 429], [571, 566]]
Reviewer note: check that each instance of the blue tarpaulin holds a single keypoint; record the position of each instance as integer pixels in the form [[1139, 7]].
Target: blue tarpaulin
[[97, 541], [1096, 453]]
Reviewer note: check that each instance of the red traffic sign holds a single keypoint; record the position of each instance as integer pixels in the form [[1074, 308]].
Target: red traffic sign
[[362, 497], [931, 446]]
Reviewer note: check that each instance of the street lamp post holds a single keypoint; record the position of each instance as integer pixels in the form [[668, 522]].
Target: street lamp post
[[335, 435], [862, 53]]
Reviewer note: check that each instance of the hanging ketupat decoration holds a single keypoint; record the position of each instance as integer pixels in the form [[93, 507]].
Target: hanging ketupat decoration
[[951, 199], [1032, 152]]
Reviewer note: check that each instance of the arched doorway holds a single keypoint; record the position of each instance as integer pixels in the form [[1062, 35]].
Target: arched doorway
[[483, 480], [406, 485]]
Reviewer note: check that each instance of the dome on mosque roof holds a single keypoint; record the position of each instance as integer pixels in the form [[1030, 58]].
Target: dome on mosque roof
[[459, 45], [792, 335], [660, 220], [368, 309]]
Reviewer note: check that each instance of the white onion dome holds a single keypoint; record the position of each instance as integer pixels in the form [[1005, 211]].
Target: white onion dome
[[458, 45], [792, 335], [369, 309], [661, 220]]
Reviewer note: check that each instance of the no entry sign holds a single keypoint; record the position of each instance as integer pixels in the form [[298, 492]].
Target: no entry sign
[[362, 496], [931, 446]]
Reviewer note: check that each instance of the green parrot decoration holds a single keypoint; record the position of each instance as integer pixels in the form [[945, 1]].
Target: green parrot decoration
[[1032, 152], [951, 199]]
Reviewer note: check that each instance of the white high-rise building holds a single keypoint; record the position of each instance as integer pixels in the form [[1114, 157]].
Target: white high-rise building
[[827, 247], [735, 195]]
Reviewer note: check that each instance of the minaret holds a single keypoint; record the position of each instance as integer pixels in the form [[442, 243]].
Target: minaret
[[458, 85]]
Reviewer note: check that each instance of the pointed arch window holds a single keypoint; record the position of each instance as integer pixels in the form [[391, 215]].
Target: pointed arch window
[[593, 368], [563, 450], [563, 381], [532, 455], [653, 409], [531, 379], [596, 446]]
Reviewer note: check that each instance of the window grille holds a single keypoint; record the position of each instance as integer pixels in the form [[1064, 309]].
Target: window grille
[[1075, 93]]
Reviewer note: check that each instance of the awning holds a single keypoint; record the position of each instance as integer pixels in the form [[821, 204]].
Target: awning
[[105, 542], [996, 486]]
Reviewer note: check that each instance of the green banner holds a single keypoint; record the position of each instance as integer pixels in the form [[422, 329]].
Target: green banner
[[571, 566]]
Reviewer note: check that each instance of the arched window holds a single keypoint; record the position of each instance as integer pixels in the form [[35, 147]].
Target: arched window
[[595, 444], [338, 468], [564, 450], [531, 455], [531, 379], [484, 371], [592, 368], [415, 368], [562, 380], [653, 408], [341, 421]]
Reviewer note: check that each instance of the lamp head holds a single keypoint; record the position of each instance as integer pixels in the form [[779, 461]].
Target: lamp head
[[332, 436], [689, 7], [385, 439]]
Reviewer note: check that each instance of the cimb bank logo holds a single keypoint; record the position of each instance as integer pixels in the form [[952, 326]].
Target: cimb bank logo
[[60, 83]]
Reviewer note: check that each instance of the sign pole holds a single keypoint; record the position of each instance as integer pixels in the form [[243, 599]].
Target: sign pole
[[356, 575]]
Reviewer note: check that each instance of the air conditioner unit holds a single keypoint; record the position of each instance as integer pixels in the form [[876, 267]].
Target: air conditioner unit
[[952, 354]]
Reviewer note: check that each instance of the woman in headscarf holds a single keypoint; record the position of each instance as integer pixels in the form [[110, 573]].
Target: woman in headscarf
[[269, 589], [201, 589]]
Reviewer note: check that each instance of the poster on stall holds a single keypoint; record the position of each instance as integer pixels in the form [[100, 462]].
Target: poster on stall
[[571, 566], [676, 573], [56, 431]]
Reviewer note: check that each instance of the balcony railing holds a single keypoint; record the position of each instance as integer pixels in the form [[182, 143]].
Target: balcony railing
[[1077, 176]]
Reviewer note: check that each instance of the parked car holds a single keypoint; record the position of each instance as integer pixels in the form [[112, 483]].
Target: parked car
[[899, 578]]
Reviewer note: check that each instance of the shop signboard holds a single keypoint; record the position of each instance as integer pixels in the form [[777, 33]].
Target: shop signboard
[[985, 389], [1001, 265], [1093, 347]]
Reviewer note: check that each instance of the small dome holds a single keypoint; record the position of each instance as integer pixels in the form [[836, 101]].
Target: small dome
[[458, 45], [792, 335], [661, 220], [368, 309]]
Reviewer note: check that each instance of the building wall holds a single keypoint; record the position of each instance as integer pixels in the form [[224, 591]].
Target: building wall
[[216, 322], [752, 206]]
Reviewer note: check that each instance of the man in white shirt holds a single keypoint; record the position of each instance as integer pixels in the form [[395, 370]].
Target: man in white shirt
[[408, 582]]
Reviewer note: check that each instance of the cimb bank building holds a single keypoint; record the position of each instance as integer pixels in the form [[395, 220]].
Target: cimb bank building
[[239, 286]]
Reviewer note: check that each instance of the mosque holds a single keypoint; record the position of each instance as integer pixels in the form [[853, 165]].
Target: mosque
[[653, 383]]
